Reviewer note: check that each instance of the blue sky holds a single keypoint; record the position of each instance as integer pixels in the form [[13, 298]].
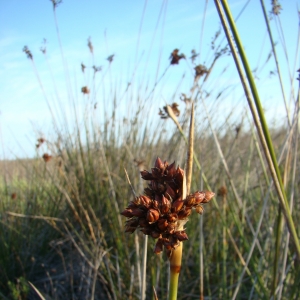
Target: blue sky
[[141, 35]]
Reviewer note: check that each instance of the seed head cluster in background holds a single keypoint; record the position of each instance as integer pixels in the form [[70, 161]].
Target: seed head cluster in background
[[162, 212]]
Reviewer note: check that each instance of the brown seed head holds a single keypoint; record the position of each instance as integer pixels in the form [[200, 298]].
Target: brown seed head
[[135, 203], [159, 164], [172, 217], [162, 212], [177, 205], [276, 7], [181, 235], [184, 213], [127, 213], [110, 58], [171, 228], [41, 140], [165, 205], [170, 193], [208, 196], [175, 57], [152, 215], [137, 212], [155, 204], [222, 191], [145, 201], [199, 209], [179, 176], [199, 197], [146, 175], [162, 224], [171, 170], [46, 157], [27, 52], [199, 71], [190, 201], [85, 90], [174, 242]]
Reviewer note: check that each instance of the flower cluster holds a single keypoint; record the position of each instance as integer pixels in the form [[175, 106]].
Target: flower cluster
[[162, 212], [46, 157], [175, 57]]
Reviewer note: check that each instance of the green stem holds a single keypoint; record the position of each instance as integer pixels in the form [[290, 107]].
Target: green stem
[[261, 123], [225, 251], [277, 252], [175, 266]]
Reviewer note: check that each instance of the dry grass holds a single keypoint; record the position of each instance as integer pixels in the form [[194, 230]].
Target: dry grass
[[60, 225]]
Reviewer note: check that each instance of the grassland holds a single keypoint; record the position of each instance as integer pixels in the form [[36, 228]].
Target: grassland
[[61, 232]]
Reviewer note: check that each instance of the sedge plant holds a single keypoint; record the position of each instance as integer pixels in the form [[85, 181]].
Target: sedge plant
[[163, 210]]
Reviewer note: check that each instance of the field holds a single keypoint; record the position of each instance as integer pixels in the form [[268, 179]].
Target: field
[[62, 235]]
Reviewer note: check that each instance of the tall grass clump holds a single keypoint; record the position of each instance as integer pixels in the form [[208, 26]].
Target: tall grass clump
[[62, 228]]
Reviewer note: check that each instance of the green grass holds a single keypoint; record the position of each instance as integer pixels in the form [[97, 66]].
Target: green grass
[[63, 232]]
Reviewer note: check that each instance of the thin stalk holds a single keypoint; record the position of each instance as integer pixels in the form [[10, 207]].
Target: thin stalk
[[224, 249], [190, 153], [137, 245], [174, 118], [108, 268], [98, 261], [202, 28], [280, 221], [138, 259], [277, 251], [145, 248], [176, 255], [67, 75], [276, 60], [143, 293], [34, 288], [154, 294], [201, 247], [285, 255]]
